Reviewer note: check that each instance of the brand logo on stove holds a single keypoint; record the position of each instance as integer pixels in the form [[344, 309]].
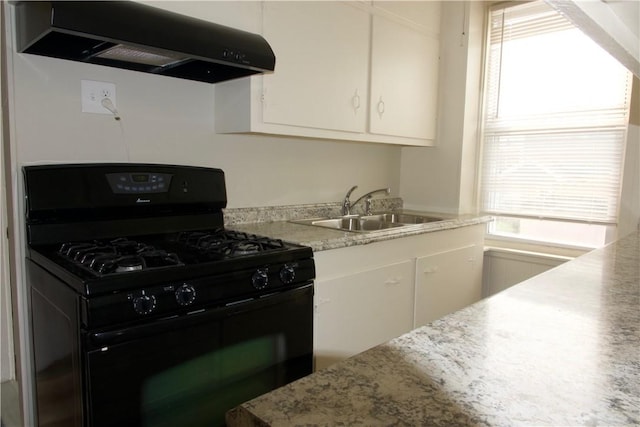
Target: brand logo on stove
[[143, 200]]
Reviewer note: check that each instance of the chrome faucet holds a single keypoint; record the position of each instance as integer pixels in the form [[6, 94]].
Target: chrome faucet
[[347, 205]]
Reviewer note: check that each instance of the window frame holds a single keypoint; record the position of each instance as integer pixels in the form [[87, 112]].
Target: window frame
[[500, 240]]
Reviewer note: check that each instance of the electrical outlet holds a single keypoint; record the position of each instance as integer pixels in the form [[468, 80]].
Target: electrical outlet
[[92, 94]]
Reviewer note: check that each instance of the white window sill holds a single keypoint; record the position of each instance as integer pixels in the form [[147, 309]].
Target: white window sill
[[494, 242]]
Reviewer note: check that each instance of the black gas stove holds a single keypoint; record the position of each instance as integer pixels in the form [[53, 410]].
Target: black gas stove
[[132, 262]]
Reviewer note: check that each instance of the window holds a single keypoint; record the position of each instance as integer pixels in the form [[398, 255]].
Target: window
[[554, 127]]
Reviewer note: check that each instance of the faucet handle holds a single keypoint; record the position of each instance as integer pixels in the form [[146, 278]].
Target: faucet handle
[[367, 205], [346, 203]]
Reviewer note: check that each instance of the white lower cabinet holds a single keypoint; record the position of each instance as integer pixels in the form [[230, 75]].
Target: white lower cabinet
[[360, 311], [447, 282], [366, 295]]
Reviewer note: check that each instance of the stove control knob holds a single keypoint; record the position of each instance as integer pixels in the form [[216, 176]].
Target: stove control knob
[[260, 278], [288, 273], [185, 295], [144, 304]]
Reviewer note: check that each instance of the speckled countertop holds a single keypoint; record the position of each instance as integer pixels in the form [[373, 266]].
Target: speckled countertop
[[273, 222], [560, 349]]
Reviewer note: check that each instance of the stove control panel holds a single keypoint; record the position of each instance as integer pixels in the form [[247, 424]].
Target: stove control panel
[[192, 295], [139, 182]]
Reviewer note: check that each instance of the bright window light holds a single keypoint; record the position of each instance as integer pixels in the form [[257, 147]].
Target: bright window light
[[554, 126]]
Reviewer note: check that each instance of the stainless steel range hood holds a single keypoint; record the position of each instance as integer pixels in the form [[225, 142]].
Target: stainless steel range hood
[[138, 37]]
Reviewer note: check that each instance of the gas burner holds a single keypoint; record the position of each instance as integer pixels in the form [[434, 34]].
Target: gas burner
[[203, 239], [154, 258], [248, 247], [103, 263], [117, 256], [129, 263], [228, 243], [245, 248], [125, 246], [89, 256]]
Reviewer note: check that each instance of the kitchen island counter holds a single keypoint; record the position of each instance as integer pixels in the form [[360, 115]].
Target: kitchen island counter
[[562, 348]]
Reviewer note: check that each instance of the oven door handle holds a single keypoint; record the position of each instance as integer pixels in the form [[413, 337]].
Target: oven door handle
[[100, 339]]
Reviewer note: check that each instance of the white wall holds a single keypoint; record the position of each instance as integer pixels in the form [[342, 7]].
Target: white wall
[[630, 195], [168, 120], [442, 178]]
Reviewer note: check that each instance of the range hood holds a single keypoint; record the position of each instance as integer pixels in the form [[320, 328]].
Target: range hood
[[138, 37]]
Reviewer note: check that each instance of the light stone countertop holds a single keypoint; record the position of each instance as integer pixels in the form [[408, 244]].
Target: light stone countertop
[[562, 348], [320, 238]]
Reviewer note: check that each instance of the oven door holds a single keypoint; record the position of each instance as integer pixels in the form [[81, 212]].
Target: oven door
[[190, 370]]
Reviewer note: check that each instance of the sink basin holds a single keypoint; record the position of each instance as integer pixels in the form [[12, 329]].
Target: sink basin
[[369, 223], [355, 224], [401, 218]]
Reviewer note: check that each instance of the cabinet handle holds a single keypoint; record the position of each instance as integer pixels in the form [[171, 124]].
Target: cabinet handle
[[355, 101], [380, 107], [393, 281], [430, 270], [319, 302]]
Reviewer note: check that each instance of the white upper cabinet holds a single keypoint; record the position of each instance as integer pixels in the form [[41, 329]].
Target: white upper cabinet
[[344, 70], [404, 80], [405, 55], [322, 54]]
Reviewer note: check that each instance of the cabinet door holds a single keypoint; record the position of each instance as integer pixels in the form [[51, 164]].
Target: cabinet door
[[320, 80], [404, 80], [447, 282], [356, 312]]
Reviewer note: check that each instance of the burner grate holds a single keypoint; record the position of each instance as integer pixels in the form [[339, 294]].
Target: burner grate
[[117, 256], [228, 243], [124, 255]]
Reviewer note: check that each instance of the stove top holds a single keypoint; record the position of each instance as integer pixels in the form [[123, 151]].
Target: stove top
[[105, 266], [100, 258]]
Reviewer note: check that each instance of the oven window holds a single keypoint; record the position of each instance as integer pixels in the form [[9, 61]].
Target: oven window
[[200, 390], [198, 367]]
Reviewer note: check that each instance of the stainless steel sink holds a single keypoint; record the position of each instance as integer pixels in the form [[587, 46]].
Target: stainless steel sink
[[401, 218], [369, 223], [355, 224]]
